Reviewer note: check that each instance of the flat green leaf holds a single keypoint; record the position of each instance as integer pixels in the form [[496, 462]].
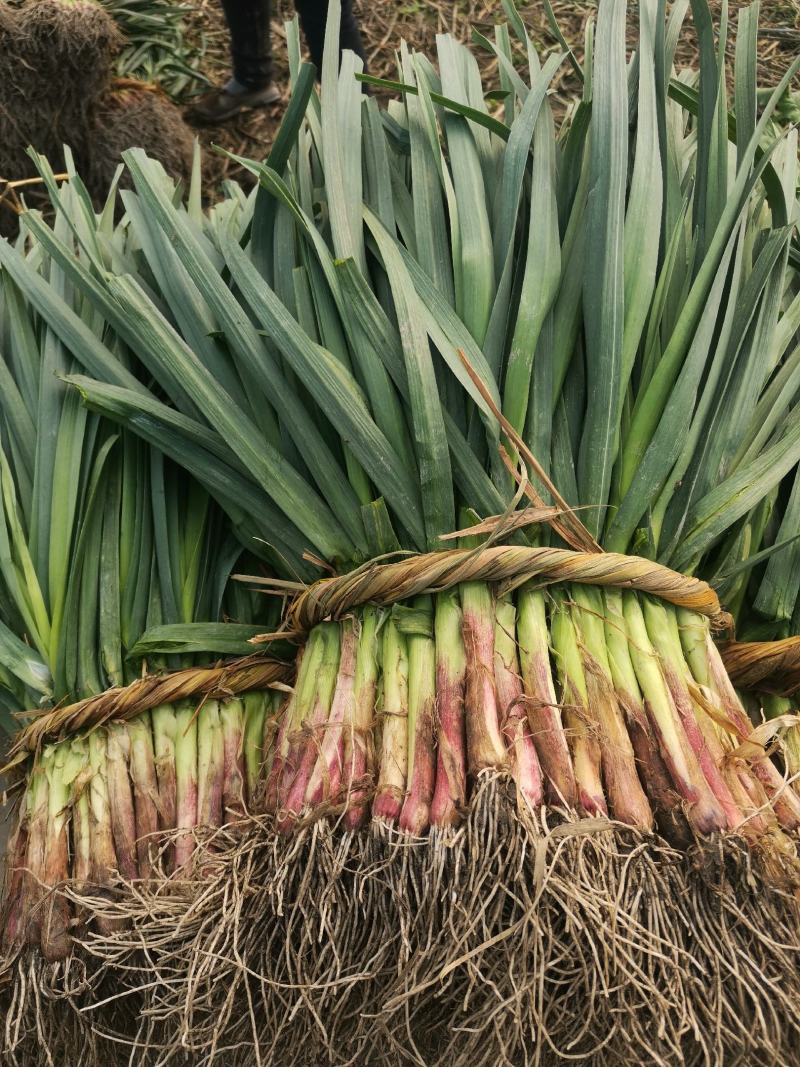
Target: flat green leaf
[[201, 452], [433, 460], [490, 123], [335, 391], [21, 661], [224, 638], [603, 287], [736, 495]]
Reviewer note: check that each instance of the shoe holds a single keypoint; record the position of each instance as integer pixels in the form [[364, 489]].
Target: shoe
[[219, 105]]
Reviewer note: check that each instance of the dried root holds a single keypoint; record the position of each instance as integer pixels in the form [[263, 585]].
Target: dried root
[[518, 938], [57, 88]]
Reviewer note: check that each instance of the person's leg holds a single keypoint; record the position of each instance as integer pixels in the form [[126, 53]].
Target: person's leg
[[313, 15], [251, 55], [251, 51]]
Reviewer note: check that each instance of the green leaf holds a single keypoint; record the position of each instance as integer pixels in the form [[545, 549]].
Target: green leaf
[[603, 287], [225, 638], [18, 570], [64, 323], [780, 586], [338, 524], [669, 439], [489, 123], [745, 101], [334, 390], [433, 460], [260, 232], [69, 655], [427, 178], [109, 618], [289, 491], [200, 452], [736, 495], [380, 533], [340, 102], [542, 273], [469, 474], [643, 213], [20, 660], [473, 267], [64, 509], [650, 403]]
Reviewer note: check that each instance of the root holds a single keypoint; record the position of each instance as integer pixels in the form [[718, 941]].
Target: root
[[137, 117], [57, 88], [519, 938]]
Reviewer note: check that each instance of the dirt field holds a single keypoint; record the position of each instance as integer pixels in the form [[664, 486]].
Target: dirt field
[[385, 22]]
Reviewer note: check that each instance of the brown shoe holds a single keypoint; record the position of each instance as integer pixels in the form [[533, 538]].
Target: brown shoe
[[219, 105]]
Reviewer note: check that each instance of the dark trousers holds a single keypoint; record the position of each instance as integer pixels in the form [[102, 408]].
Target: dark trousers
[[248, 23]]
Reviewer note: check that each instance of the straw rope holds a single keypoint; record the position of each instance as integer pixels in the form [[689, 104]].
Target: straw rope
[[771, 666], [253, 672], [377, 583], [388, 583]]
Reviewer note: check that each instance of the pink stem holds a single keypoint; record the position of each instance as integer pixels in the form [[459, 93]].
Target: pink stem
[[544, 714], [326, 778], [711, 772], [785, 802], [299, 765], [485, 743], [525, 768], [359, 753], [233, 791], [450, 790], [415, 815], [120, 799], [393, 769], [653, 771]]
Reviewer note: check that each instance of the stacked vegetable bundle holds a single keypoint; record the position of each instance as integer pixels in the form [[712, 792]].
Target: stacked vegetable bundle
[[100, 809], [113, 562], [400, 340]]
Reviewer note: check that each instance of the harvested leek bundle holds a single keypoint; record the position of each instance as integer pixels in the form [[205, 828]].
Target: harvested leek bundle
[[512, 807], [113, 563], [123, 800], [111, 555]]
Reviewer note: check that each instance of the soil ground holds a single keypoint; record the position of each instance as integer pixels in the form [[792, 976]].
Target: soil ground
[[385, 22]]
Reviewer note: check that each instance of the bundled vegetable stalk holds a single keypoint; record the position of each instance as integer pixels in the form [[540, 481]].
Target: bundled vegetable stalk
[[115, 808], [114, 564], [122, 803], [513, 808]]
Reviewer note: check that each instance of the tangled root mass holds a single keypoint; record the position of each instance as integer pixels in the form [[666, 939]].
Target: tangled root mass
[[518, 938], [57, 88]]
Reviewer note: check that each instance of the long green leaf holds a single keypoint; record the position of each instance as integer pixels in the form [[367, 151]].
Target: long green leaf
[[603, 287]]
